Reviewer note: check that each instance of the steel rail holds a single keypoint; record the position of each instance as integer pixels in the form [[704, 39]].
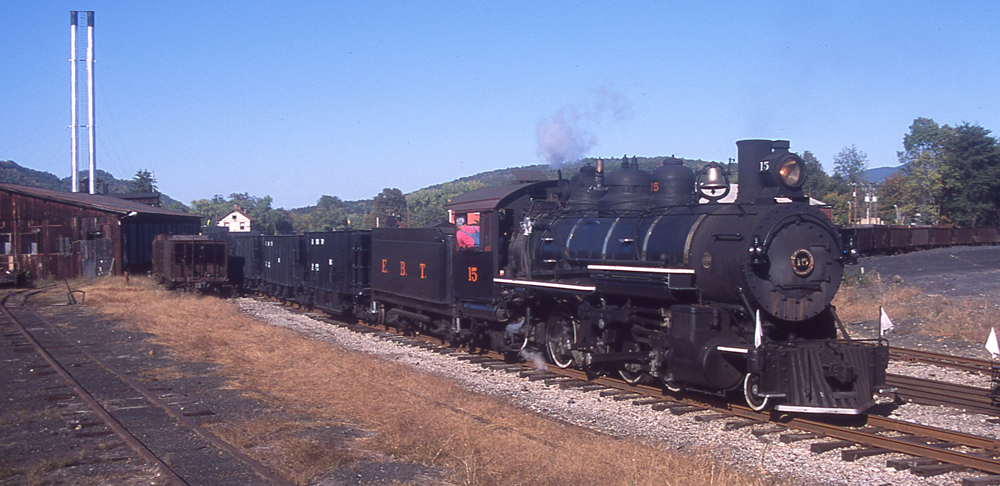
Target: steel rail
[[133, 443], [930, 392], [947, 361], [257, 467]]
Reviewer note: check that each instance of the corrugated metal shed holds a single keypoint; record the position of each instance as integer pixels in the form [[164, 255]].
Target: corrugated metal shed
[[57, 235]]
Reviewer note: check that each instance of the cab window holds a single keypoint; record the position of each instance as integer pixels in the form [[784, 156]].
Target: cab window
[[472, 231]]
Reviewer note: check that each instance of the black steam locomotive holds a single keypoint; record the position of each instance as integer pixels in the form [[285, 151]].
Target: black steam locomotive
[[647, 275]]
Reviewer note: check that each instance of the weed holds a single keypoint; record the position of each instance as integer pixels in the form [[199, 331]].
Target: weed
[[415, 417]]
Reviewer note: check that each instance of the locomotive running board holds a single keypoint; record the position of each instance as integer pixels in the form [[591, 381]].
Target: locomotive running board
[[548, 285], [619, 268]]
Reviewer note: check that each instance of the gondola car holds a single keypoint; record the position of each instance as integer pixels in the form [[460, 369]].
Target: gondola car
[[190, 262]]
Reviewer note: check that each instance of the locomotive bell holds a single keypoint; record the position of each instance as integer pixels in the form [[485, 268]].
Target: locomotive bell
[[713, 181]]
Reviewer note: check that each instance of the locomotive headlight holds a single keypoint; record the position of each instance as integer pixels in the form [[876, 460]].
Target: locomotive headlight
[[783, 169], [792, 171]]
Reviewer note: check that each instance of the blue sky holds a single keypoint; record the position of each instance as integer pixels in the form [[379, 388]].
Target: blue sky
[[296, 99]]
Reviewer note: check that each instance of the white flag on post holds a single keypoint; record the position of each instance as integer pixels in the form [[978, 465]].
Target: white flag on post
[[758, 333], [884, 323], [991, 343]]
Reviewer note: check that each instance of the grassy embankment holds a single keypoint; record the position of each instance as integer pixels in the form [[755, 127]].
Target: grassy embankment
[[967, 319], [415, 417]]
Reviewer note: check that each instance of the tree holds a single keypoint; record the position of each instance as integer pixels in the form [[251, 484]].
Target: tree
[[388, 210], [921, 158], [892, 195], [143, 181], [851, 165], [427, 205], [817, 181], [837, 195], [970, 177], [269, 221], [329, 215]]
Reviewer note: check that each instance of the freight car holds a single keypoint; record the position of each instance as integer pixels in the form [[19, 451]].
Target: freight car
[[190, 262], [646, 275], [890, 239]]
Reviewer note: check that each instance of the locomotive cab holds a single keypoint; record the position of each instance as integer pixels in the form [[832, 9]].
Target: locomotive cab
[[441, 279]]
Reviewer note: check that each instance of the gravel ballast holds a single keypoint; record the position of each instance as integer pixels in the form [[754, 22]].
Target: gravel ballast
[[739, 447]]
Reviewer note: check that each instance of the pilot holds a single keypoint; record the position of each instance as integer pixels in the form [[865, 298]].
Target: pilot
[[467, 235]]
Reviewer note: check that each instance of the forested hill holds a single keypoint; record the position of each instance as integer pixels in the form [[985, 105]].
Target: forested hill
[[12, 173]]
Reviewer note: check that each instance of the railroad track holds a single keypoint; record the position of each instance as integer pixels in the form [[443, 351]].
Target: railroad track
[[165, 437], [940, 393], [930, 450], [931, 392], [973, 365]]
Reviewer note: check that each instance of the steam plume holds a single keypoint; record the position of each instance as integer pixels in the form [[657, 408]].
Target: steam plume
[[564, 137]]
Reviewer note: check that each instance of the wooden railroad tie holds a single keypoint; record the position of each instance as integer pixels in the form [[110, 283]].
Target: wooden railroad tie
[[821, 447], [855, 454], [982, 481], [739, 424]]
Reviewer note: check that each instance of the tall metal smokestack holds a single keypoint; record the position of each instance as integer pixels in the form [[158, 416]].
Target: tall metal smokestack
[[74, 103], [74, 117], [91, 127]]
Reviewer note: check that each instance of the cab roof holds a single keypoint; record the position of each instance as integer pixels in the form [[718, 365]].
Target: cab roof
[[491, 198]]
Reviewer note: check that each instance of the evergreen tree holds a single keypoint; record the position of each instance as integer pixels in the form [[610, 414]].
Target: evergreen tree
[[143, 181]]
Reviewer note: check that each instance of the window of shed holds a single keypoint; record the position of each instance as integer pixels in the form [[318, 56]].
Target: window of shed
[[5, 248], [29, 244]]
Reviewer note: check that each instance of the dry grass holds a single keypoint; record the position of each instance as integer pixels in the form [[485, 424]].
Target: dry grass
[[413, 416], [967, 319], [298, 455]]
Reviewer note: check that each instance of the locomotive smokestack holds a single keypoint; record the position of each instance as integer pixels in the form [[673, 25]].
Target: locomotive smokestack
[[751, 153]]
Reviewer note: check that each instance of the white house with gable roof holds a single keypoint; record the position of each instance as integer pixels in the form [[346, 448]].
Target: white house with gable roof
[[236, 221]]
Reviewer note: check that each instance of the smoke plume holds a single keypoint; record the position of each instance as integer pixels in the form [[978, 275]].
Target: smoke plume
[[565, 136]]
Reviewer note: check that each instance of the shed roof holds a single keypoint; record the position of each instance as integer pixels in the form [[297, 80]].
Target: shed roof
[[98, 202]]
